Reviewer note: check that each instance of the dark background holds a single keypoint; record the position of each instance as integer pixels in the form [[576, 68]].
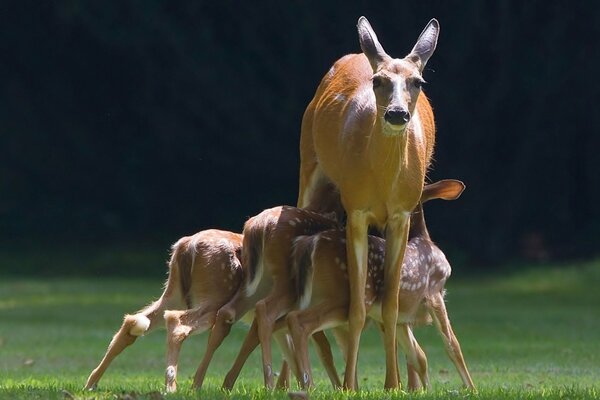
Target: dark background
[[132, 122]]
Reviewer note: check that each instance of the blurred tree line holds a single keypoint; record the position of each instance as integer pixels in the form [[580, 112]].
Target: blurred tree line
[[132, 121]]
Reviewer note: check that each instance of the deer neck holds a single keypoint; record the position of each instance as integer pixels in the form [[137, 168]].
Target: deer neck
[[390, 156]]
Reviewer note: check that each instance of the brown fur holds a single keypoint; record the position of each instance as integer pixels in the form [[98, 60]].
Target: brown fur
[[204, 273], [253, 241], [424, 274], [266, 252], [379, 168]]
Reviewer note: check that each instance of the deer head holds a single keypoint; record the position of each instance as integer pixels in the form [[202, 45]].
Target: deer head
[[397, 82]]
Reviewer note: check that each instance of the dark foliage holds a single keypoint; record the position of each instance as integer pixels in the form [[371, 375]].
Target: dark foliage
[[146, 120]]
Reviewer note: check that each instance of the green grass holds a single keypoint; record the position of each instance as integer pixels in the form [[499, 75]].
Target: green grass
[[531, 334]]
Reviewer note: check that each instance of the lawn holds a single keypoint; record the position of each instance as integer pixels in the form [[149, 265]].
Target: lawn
[[531, 333]]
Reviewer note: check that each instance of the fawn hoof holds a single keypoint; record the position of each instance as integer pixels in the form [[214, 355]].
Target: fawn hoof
[[306, 381], [228, 383], [268, 376], [92, 381], [171, 379]]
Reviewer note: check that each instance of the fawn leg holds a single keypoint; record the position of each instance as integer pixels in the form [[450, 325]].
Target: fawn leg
[[442, 322], [180, 325], [133, 326]]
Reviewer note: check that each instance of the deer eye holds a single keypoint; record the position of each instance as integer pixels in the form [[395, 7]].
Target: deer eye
[[377, 81]]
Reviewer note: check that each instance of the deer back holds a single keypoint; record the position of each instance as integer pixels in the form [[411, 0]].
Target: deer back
[[268, 240], [206, 267]]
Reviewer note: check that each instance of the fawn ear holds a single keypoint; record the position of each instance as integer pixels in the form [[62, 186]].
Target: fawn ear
[[446, 189], [370, 44], [425, 45]]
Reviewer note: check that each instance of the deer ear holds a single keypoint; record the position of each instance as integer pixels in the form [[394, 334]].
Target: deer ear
[[370, 44], [425, 44], [447, 189]]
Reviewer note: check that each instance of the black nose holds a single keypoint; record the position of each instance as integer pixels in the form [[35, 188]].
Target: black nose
[[397, 116]]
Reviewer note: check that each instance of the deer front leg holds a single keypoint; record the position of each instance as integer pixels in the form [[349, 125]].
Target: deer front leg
[[442, 323], [380, 327], [180, 325], [395, 246], [133, 326], [300, 338], [357, 252]]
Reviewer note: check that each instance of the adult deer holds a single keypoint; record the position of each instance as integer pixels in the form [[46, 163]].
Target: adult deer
[[369, 132], [204, 273], [321, 272]]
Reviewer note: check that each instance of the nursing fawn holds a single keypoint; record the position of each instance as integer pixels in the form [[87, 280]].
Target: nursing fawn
[[267, 292], [321, 272]]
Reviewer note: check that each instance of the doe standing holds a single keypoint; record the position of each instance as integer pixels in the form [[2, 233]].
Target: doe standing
[[369, 133]]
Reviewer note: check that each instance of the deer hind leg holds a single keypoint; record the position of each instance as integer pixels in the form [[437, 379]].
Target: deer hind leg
[[442, 322], [341, 336], [415, 357], [414, 382], [133, 326], [326, 356], [180, 325], [302, 324], [283, 381], [267, 311], [227, 315], [286, 346], [250, 343], [323, 350]]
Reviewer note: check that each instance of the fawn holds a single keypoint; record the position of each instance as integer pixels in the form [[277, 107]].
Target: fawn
[[204, 273], [321, 273]]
